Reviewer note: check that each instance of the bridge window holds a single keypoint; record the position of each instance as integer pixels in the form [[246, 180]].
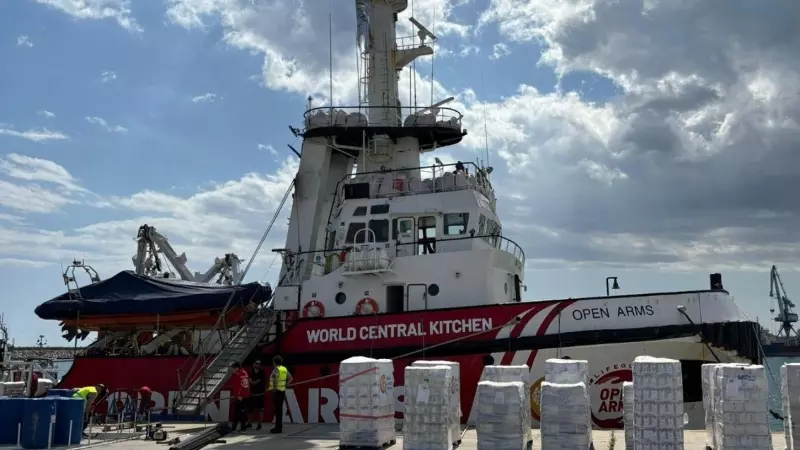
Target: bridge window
[[426, 235], [481, 225], [379, 209], [381, 229], [455, 223], [360, 211], [354, 228]]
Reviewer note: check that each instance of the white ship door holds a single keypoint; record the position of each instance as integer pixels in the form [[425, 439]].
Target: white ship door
[[417, 297], [404, 236]]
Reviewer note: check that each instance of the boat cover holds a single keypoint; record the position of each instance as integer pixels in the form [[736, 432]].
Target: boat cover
[[128, 293]]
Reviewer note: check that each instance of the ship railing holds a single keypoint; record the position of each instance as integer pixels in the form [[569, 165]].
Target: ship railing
[[373, 116], [410, 42], [462, 243], [327, 261], [416, 181], [367, 257]]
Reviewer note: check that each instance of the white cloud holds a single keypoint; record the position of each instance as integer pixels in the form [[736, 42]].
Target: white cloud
[[208, 97], [40, 135], [47, 114], [268, 148], [24, 41], [102, 122], [118, 10], [108, 75], [499, 50], [233, 212]]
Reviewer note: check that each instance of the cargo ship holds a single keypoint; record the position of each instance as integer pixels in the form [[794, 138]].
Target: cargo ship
[[389, 258]]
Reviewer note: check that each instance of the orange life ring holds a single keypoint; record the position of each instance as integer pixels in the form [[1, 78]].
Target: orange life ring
[[314, 308], [367, 306]]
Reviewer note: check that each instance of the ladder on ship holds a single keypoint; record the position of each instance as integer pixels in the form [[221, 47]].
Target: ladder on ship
[[208, 374], [210, 379]]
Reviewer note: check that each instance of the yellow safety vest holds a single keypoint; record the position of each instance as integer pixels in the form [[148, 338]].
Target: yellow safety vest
[[84, 392], [283, 375]]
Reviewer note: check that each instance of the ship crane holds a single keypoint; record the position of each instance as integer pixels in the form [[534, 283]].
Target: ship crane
[[148, 263], [226, 269], [786, 315]]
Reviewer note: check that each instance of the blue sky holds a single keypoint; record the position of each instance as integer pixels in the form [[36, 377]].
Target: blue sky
[[616, 148]]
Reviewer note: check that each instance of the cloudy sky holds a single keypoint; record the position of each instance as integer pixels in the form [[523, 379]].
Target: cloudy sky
[[657, 141]]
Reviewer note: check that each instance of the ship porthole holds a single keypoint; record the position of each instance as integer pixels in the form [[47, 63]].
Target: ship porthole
[[340, 298], [325, 371], [433, 290], [488, 360]]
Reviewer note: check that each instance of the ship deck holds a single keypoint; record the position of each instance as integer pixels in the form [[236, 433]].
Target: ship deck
[[326, 436]]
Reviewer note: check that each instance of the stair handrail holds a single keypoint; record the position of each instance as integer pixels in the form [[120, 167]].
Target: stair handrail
[[267, 311], [192, 373]]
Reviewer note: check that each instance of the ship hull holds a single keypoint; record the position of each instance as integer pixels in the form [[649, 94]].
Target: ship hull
[[608, 332], [317, 401]]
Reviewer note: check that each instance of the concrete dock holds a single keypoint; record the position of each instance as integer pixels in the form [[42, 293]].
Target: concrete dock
[[326, 436]]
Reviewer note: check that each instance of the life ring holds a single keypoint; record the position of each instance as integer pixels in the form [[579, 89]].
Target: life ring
[[314, 308], [367, 306], [343, 256]]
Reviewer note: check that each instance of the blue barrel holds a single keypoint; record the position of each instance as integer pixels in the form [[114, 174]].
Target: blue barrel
[[37, 415], [61, 392], [10, 417], [68, 409]]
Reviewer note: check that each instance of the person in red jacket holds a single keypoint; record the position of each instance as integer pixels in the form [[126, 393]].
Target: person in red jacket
[[241, 392]]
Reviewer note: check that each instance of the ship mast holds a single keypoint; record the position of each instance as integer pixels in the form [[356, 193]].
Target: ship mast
[[383, 57]]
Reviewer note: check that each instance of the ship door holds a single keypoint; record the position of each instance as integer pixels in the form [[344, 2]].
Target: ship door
[[395, 298], [404, 236], [417, 297]]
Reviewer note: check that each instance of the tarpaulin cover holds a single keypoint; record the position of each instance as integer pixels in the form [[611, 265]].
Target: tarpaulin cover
[[128, 293]]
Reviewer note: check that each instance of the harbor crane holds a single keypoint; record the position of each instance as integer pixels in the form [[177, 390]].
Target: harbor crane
[[786, 315]]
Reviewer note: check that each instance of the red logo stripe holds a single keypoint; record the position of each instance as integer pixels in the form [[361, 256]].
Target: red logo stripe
[[548, 320], [508, 357]]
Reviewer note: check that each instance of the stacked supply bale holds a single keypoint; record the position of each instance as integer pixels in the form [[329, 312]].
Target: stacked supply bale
[[501, 421], [566, 416], [627, 413], [366, 405], [741, 415], [790, 394], [657, 404], [455, 394], [426, 422], [506, 374]]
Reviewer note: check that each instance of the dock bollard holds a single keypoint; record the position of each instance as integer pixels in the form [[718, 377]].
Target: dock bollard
[[69, 437]]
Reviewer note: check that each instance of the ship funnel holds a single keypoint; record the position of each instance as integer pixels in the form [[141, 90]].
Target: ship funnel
[[716, 281]]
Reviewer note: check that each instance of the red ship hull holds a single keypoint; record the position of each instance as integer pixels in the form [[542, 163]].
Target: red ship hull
[[512, 334]]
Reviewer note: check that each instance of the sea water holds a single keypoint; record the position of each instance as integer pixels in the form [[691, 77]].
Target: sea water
[[773, 367]]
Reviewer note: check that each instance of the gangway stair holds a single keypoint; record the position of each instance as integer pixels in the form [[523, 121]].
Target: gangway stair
[[212, 377]]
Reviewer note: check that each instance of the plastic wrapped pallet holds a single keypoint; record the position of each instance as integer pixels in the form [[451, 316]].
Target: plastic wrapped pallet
[[707, 372], [455, 393], [627, 413], [426, 422], [505, 374], [567, 371], [657, 404], [790, 393], [366, 402], [741, 418], [566, 417], [501, 416]]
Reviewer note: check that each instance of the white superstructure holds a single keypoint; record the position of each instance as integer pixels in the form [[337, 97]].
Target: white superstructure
[[392, 236]]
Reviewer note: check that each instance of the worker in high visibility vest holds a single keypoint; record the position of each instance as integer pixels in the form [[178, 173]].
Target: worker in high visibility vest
[[278, 381], [89, 394]]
